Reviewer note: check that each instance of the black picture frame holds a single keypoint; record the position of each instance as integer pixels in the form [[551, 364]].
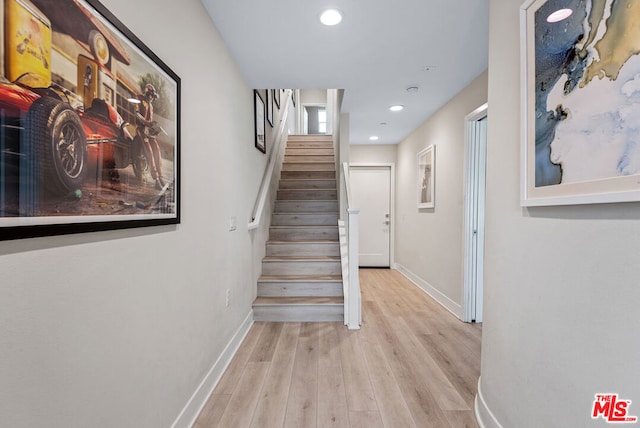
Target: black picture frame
[[269, 103], [276, 97], [76, 161], [259, 121]]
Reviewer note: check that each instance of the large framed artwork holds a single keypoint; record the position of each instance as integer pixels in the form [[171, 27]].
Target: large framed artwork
[[426, 177], [581, 101], [89, 123], [259, 121]]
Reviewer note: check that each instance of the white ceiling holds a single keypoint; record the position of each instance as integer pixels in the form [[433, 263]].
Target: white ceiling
[[379, 49]]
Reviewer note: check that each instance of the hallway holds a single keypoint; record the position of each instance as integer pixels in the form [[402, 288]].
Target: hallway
[[412, 364]]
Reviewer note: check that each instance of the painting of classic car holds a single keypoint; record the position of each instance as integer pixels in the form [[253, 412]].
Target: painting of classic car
[[88, 119]]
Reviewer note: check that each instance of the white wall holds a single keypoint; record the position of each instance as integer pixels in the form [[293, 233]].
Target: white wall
[[561, 283], [429, 243], [313, 96], [117, 329], [373, 153]]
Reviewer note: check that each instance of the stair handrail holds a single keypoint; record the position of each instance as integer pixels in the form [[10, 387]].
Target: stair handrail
[[349, 251], [263, 193]]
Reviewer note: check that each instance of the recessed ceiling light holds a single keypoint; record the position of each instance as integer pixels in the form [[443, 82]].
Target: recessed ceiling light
[[396, 108], [331, 17], [413, 89], [383, 123], [559, 15], [373, 138]]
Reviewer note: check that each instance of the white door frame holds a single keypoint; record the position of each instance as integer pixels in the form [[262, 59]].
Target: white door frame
[[475, 185], [392, 203]]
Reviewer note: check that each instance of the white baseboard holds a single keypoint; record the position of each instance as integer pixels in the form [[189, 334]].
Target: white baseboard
[[199, 398], [436, 294], [484, 415]]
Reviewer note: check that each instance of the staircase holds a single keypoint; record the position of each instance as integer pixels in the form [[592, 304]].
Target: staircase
[[301, 272]]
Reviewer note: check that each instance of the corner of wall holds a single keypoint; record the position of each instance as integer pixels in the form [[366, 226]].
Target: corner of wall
[[432, 291], [484, 415]]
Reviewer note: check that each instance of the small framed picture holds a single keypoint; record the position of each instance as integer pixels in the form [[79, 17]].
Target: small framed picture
[[260, 127], [426, 177]]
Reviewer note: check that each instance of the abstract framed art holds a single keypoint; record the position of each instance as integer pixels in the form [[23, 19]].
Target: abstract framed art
[[90, 123], [581, 102], [426, 177]]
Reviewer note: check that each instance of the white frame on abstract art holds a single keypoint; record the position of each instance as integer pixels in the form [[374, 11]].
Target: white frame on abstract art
[[423, 178], [609, 189]]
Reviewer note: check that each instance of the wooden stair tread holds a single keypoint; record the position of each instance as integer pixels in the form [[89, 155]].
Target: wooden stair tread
[[300, 159], [306, 214], [300, 278], [306, 227], [297, 201], [312, 162], [303, 241], [302, 258], [303, 212], [299, 301]]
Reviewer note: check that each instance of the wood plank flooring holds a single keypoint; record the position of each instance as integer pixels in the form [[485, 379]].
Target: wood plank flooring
[[412, 364]]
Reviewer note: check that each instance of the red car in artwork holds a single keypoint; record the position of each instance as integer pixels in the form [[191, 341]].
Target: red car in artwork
[[47, 145]]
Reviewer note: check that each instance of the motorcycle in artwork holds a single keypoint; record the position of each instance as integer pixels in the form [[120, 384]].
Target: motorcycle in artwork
[[75, 153]]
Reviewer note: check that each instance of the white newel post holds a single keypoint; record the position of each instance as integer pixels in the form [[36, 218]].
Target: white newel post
[[354, 299]]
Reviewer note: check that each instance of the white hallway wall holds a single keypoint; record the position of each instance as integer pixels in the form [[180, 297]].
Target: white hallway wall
[[118, 328], [561, 283], [373, 153], [429, 242]]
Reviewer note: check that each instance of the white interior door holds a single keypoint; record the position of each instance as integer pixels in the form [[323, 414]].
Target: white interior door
[[475, 211], [371, 193]]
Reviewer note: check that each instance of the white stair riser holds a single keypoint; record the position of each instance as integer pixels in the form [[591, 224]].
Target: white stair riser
[[298, 313], [303, 234], [307, 195], [302, 289], [301, 268], [305, 206], [303, 249]]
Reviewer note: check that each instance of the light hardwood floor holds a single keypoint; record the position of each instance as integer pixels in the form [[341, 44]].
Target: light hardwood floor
[[412, 364]]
